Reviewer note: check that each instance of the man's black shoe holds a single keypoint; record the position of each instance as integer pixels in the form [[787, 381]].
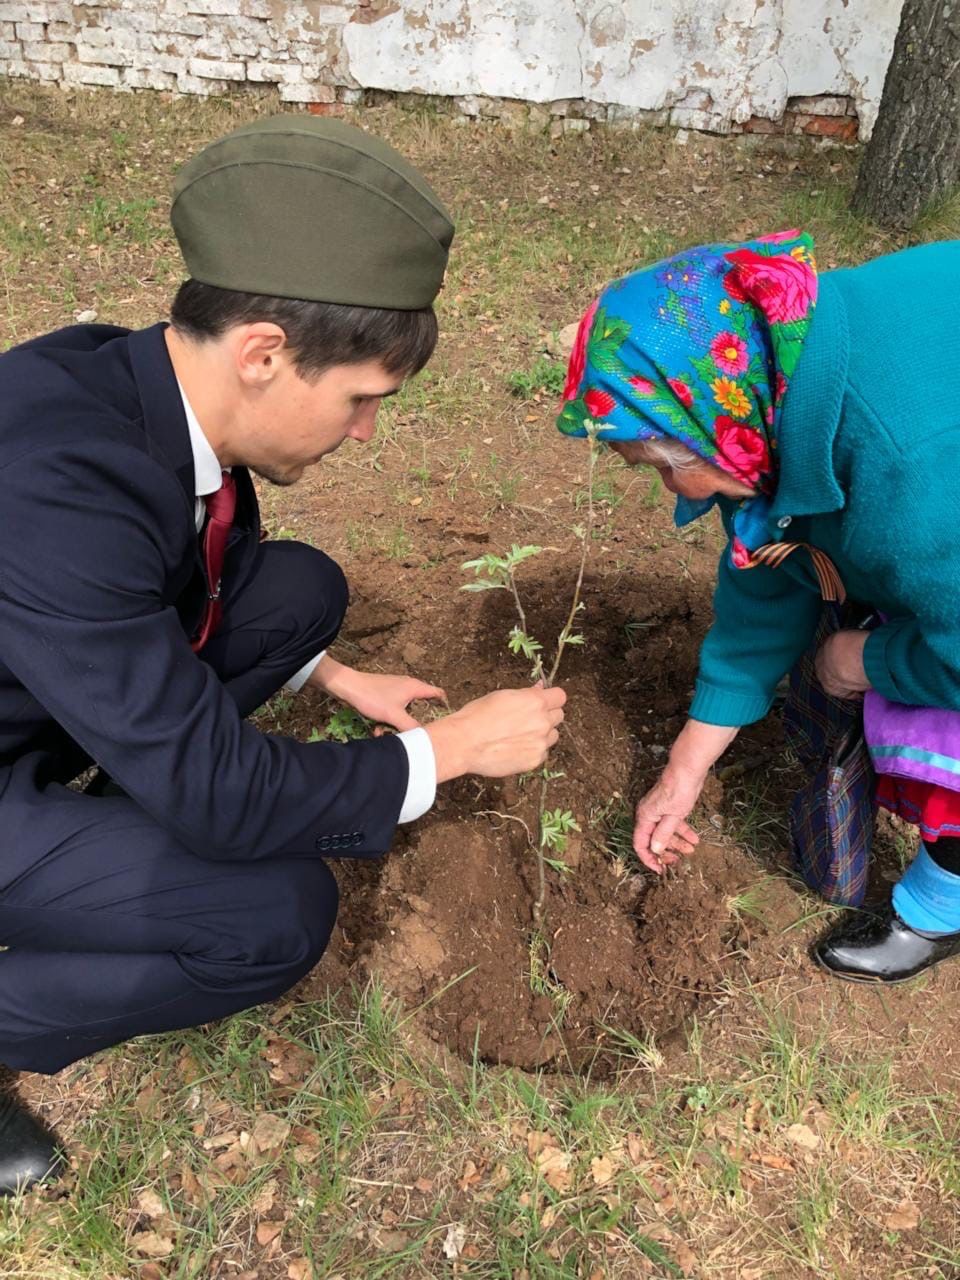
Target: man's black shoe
[[28, 1151], [882, 949]]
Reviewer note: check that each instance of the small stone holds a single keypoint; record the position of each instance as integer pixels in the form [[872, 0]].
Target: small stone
[[566, 338], [803, 1136], [86, 317]]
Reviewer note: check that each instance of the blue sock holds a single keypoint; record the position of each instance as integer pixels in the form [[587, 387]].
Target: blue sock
[[927, 897]]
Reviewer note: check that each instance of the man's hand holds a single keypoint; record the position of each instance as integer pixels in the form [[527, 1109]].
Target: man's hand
[[381, 698], [506, 732], [661, 832], [839, 664]]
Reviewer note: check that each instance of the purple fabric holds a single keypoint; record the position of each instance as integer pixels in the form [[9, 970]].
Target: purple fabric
[[913, 742]]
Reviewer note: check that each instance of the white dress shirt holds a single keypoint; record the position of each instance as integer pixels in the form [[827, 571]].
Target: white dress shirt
[[422, 779]]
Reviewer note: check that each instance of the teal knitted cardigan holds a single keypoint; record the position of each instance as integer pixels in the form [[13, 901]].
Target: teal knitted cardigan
[[870, 473]]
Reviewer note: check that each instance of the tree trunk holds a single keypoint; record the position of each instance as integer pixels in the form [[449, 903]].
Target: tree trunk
[[913, 156]]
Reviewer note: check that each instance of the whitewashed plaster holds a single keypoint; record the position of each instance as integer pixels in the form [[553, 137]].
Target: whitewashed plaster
[[711, 63]]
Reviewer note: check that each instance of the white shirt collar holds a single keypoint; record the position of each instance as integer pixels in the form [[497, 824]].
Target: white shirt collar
[[207, 472]]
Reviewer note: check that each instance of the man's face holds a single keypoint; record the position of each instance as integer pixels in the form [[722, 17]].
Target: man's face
[[295, 421]]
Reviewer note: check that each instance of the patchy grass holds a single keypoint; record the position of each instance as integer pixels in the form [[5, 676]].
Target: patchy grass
[[314, 1137]]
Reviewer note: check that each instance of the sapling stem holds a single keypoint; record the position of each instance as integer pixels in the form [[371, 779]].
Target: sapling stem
[[549, 678], [537, 911], [500, 574], [538, 672], [564, 636]]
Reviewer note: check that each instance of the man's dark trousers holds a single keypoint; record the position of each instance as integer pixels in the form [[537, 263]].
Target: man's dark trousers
[[113, 928]]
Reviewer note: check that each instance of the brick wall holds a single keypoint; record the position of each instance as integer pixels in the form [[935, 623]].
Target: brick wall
[[790, 70], [187, 46]]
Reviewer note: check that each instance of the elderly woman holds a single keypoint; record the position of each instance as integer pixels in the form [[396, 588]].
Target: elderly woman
[[821, 414]]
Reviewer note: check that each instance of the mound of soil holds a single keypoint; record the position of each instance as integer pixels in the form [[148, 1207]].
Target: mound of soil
[[634, 953], [446, 918]]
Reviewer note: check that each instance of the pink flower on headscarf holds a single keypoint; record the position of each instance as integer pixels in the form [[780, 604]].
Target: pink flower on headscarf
[[578, 356], [729, 353], [681, 391], [743, 450], [599, 403], [783, 287], [778, 237], [643, 386], [739, 553]]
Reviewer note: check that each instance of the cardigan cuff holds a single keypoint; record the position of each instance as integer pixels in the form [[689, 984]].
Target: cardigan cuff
[[726, 707], [875, 664]]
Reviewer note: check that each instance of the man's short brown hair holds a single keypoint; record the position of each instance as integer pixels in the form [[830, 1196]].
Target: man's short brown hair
[[319, 334]]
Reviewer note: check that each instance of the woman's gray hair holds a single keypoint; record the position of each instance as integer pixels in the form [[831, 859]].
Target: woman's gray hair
[[670, 453]]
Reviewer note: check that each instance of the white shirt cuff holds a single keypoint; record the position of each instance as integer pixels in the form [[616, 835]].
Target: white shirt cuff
[[422, 780], [300, 678]]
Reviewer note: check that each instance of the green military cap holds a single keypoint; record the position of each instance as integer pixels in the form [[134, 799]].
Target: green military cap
[[304, 207]]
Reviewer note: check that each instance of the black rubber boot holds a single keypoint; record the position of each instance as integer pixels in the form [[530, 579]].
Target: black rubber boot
[[29, 1153], [882, 949]]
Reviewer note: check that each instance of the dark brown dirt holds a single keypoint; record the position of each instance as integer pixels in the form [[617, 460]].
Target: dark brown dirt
[[446, 918]]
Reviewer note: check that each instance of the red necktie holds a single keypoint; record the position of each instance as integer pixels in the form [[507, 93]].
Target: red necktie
[[221, 507]]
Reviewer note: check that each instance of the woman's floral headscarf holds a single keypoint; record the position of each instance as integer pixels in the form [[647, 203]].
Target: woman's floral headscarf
[[699, 348]]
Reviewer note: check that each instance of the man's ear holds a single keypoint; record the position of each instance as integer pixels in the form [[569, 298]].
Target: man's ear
[[260, 351]]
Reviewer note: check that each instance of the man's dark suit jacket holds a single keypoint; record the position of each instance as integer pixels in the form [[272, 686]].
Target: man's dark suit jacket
[[101, 585]]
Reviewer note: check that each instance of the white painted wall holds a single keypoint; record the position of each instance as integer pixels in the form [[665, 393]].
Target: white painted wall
[[710, 63], [704, 63]]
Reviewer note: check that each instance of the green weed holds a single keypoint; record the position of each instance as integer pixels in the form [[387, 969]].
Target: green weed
[[345, 725], [547, 376]]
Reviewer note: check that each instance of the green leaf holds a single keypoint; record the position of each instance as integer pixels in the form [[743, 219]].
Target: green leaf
[[571, 416], [559, 865], [517, 554], [555, 826], [489, 563], [737, 323], [519, 642], [346, 724], [788, 354], [608, 330], [756, 370], [705, 367], [675, 309], [606, 358]]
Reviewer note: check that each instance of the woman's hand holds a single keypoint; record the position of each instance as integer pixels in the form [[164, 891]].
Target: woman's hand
[[381, 698], [839, 664], [661, 833]]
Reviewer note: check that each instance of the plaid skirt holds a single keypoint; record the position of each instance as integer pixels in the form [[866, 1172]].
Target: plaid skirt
[[832, 816]]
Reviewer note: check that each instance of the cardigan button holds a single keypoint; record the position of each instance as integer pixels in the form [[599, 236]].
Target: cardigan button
[[785, 522]]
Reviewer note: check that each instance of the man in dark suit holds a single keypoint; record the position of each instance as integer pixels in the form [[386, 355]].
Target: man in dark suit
[[142, 618]]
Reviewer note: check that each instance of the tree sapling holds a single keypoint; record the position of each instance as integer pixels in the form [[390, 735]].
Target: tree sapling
[[497, 573]]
